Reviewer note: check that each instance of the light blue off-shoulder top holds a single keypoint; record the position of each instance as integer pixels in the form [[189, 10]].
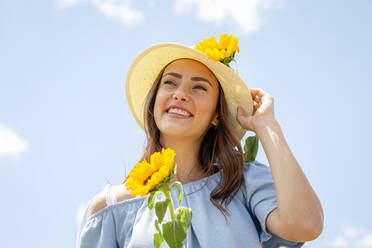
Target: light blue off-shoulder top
[[129, 224]]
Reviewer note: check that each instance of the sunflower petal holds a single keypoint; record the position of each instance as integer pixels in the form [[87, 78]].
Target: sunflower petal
[[144, 176]]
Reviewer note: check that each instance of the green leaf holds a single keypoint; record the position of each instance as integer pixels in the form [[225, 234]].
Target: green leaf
[[151, 200], [250, 148], [158, 240], [178, 185], [184, 216], [161, 208], [225, 62], [174, 234]]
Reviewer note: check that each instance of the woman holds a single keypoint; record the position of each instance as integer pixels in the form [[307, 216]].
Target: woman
[[191, 107]]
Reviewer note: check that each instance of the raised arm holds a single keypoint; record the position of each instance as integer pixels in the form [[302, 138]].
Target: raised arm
[[299, 216]]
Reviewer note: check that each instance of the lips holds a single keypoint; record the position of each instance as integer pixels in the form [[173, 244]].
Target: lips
[[179, 107]]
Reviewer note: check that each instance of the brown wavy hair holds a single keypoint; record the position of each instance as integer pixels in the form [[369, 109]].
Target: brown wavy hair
[[220, 149]]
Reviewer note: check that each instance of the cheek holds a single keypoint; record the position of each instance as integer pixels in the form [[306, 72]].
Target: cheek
[[159, 103], [207, 107]]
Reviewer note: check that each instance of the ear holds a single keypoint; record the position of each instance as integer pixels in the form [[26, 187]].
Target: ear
[[215, 119]]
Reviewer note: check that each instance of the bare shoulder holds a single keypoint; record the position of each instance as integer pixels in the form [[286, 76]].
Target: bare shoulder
[[98, 202], [121, 193]]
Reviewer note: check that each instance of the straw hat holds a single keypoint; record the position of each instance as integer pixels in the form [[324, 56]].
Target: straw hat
[[148, 64]]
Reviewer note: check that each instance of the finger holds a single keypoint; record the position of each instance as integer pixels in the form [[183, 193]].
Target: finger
[[254, 111], [256, 97], [256, 106], [257, 101], [266, 102], [257, 91], [254, 92]]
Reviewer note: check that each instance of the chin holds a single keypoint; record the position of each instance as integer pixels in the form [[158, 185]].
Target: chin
[[182, 131], [180, 128]]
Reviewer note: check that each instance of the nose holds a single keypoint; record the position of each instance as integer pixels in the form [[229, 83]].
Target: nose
[[180, 95]]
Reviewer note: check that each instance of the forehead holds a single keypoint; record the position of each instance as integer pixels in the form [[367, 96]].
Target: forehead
[[190, 67]]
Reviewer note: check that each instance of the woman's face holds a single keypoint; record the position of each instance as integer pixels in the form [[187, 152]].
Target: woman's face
[[189, 85]]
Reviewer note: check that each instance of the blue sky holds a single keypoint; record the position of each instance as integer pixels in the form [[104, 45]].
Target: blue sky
[[65, 125]]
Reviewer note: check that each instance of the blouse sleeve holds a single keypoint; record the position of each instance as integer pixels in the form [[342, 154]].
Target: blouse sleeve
[[261, 200], [110, 200], [99, 231]]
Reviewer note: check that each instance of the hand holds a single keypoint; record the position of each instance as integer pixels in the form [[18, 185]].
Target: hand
[[263, 111]]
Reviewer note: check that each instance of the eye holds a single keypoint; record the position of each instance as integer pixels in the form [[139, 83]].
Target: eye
[[200, 87], [169, 82]]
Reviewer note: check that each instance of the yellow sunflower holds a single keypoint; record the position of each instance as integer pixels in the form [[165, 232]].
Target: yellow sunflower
[[223, 51], [145, 176]]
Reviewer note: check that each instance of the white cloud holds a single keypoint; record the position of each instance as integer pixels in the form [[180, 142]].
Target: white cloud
[[113, 9], [350, 231], [244, 15], [339, 241], [351, 236], [120, 10], [11, 145], [366, 240]]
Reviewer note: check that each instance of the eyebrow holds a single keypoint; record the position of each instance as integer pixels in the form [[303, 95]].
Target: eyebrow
[[177, 75]]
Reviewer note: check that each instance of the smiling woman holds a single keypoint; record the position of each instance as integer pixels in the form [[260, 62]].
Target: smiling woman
[[190, 100]]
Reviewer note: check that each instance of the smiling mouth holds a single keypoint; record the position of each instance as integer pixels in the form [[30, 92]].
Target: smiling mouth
[[179, 112], [178, 115]]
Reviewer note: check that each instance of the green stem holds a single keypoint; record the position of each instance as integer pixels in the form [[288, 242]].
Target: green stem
[[166, 192]]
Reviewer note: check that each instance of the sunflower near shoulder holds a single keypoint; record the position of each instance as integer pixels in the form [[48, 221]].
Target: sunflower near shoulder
[[145, 176]]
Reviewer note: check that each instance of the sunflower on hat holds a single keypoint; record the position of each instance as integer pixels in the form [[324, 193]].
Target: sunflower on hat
[[224, 51]]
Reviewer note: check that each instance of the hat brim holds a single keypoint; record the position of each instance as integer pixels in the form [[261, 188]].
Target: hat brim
[[148, 64]]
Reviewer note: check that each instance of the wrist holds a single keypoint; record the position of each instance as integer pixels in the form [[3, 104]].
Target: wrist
[[265, 125]]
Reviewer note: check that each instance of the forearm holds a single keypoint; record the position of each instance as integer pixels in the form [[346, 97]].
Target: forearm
[[298, 204]]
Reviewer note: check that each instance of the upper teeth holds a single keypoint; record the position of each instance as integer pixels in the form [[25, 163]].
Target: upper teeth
[[178, 111]]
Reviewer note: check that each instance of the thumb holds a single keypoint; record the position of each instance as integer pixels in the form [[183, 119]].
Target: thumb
[[241, 112], [243, 119], [241, 115]]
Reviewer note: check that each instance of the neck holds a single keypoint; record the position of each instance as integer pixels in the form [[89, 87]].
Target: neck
[[188, 167]]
